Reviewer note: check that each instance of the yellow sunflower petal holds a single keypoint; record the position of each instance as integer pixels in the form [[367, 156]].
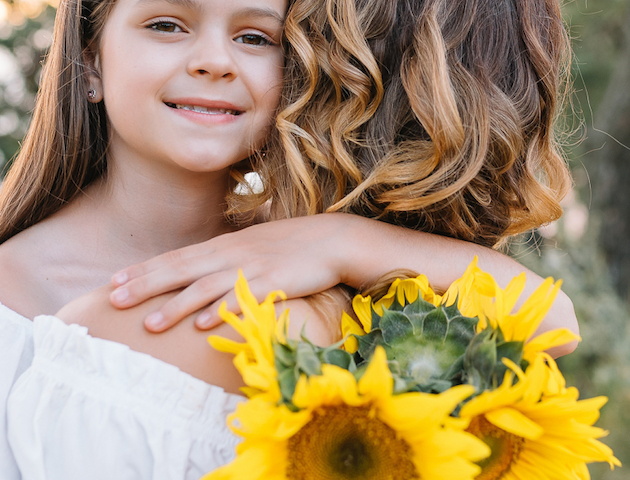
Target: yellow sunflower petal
[[513, 292], [387, 299], [282, 327], [335, 385], [420, 286], [231, 319], [407, 411], [556, 384], [409, 289], [348, 328], [533, 311], [514, 422], [377, 380], [550, 339], [226, 345], [257, 375], [362, 307], [254, 464], [460, 290]]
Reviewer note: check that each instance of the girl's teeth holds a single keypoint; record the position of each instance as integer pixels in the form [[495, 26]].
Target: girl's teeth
[[209, 111]]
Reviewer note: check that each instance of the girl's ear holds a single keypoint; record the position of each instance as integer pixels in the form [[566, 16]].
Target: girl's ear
[[95, 84]]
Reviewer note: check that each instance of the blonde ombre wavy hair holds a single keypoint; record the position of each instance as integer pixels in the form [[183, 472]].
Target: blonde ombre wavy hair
[[431, 114]]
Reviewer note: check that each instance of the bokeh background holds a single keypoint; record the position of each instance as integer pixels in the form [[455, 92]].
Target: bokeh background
[[589, 247]]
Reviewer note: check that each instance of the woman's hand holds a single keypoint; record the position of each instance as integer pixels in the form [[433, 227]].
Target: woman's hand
[[301, 256], [307, 255]]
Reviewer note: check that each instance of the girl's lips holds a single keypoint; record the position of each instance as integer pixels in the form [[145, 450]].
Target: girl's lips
[[205, 112], [203, 109]]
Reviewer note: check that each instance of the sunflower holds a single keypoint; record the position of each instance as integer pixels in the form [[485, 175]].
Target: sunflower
[[494, 306], [402, 291], [254, 359], [537, 428], [347, 429], [476, 294]]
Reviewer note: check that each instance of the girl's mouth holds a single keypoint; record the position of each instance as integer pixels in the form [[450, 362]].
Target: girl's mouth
[[205, 110]]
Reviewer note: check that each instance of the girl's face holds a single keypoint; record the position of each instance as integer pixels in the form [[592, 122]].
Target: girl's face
[[192, 83]]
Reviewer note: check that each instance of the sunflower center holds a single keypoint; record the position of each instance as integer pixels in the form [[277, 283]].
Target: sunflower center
[[505, 447], [347, 443]]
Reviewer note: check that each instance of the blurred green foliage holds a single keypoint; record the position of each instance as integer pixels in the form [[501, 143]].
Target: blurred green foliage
[[23, 43], [570, 249]]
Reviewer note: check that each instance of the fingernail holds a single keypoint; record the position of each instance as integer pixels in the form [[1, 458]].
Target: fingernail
[[120, 295], [204, 319], [120, 278], [155, 320]]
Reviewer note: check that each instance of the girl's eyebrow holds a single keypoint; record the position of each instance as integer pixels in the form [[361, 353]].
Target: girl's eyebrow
[[189, 4], [250, 12], [259, 12]]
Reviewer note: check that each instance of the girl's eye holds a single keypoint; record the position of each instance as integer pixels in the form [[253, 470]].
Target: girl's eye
[[167, 27], [254, 39]]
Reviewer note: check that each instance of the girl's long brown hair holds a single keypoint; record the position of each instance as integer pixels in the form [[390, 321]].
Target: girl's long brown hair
[[431, 114], [65, 147]]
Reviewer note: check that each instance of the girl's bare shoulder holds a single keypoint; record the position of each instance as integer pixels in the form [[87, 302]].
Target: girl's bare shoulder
[[183, 345], [23, 276]]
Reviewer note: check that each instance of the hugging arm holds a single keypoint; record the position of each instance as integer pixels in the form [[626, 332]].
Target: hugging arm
[[308, 255]]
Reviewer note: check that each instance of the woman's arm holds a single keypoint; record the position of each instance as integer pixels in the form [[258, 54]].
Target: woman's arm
[[307, 255]]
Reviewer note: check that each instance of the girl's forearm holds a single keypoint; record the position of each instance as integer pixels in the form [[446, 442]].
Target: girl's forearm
[[372, 248]]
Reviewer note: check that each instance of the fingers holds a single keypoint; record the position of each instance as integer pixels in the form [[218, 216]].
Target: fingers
[[169, 258], [169, 277], [210, 317], [199, 294]]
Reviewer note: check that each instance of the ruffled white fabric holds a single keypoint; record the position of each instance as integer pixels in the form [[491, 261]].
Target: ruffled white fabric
[[93, 409], [16, 354]]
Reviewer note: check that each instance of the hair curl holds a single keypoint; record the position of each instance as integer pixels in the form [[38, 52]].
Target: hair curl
[[431, 114]]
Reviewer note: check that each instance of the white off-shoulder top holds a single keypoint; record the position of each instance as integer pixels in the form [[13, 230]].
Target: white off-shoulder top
[[89, 408], [16, 354]]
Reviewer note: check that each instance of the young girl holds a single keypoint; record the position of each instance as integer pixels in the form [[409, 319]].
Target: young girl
[[149, 109]]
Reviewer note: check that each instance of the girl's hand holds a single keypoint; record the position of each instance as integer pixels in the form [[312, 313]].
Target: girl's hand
[[301, 256]]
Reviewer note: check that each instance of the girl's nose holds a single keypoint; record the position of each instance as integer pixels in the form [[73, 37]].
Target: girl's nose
[[212, 58]]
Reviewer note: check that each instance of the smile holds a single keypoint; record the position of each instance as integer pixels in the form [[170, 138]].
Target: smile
[[205, 110]]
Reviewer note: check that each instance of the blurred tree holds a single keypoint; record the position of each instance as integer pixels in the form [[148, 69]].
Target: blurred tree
[[25, 35], [587, 247], [609, 164]]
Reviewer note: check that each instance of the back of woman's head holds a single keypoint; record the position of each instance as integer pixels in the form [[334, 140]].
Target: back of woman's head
[[65, 147], [431, 114]]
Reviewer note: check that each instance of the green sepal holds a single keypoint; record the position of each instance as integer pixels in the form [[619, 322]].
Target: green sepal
[[307, 359], [368, 343], [480, 359], [395, 325], [483, 363], [340, 358], [284, 355], [455, 373], [287, 381]]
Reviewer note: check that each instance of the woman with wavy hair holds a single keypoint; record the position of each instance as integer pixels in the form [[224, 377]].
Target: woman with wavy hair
[[397, 120]]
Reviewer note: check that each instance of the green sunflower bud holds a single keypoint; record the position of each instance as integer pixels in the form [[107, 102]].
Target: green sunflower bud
[[424, 344], [483, 360]]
